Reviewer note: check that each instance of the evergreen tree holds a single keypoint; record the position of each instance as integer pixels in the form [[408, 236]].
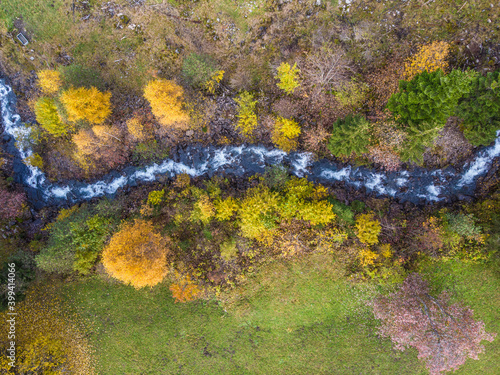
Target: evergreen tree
[[480, 109], [429, 97], [350, 135]]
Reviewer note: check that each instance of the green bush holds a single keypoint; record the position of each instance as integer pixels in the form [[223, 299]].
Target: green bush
[[352, 94], [429, 98], [480, 110], [276, 176], [462, 224], [75, 241], [88, 240], [198, 69], [350, 135], [344, 213]]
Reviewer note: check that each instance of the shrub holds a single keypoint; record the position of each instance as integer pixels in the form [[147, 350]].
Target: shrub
[[288, 77], [25, 267], [136, 129], [49, 81], [258, 214], [58, 254], [48, 117], [88, 240], [276, 176], [352, 94], [228, 249], [480, 110], [444, 334], [285, 134], [155, 197], [429, 98], [167, 100], [368, 229], [198, 69], [212, 84], [247, 118], [35, 160], [203, 210], [463, 224], [86, 104], [350, 135], [11, 204], [185, 290], [430, 58], [225, 208], [137, 255]]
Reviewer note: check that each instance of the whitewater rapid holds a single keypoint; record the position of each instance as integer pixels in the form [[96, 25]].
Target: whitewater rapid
[[419, 186]]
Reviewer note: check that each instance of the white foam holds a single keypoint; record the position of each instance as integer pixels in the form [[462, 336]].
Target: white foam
[[301, 163], [60, 192], [341, 175], [481, 164]]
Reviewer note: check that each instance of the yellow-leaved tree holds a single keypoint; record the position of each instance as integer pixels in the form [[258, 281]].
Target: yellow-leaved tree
[[49, 81], [86, 104], [259, 214], [288, 77], [247, 118], [167, 102], [137, 255], [285, 134], [429, 58], [48, 117], [368, 229]]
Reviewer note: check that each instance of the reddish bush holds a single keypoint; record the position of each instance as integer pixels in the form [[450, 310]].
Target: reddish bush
[[11, 204], [444, 334]]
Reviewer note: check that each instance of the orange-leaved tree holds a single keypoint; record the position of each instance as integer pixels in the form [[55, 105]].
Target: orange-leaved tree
[[86, 104], [137, 255], [185, 289], [167, 100], [49, 81]]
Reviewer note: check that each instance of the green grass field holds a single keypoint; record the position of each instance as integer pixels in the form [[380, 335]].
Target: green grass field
[[288, 319]]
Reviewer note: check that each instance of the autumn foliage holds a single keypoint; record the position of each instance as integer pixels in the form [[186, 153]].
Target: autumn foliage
[[11, 204], [48, 117], [49, 81], [47, 339], [368, 229], [137, 255], [185, 290], [166, 99], [285, 134], [86, 104], [444, 334], [429, 58], [288, 77]]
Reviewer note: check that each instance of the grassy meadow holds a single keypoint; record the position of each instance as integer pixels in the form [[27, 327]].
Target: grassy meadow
[[288, 318]]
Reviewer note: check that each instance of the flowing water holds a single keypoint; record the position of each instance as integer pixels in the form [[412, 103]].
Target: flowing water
[[419, 185]]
